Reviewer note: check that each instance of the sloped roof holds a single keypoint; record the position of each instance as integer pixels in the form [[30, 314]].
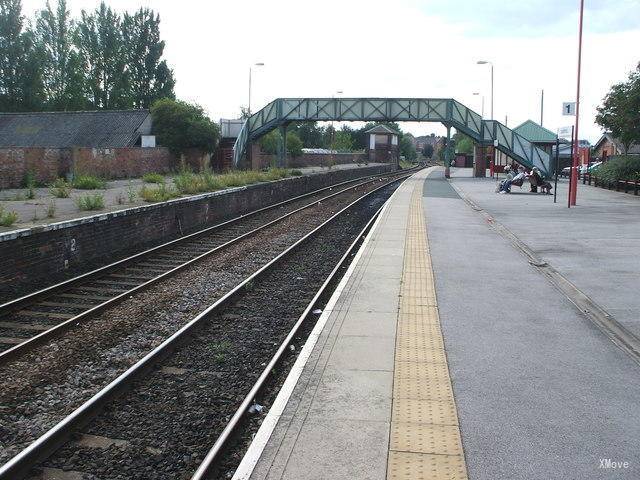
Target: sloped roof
[[535, 133], [381, 129], [100, 129], [634, 148]]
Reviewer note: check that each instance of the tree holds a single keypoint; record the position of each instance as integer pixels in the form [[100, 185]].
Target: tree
[[463, 143], [269, 143], [342, 141], [182, 126], [407, 149], [427, 150], [61, 65], [149, 76], [309, 132], [294, 145], [20, 73], [102, 52], [620, 110]]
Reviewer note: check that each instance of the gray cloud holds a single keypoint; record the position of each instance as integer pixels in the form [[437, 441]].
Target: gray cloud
[[498, 18]]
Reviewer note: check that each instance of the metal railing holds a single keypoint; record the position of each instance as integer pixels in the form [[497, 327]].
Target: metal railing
[[448, 111]]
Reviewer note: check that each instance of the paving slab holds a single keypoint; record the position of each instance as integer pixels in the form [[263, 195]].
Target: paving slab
[[541, 392], [591, 244]]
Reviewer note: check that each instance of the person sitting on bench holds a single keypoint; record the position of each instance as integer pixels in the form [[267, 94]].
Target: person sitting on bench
[[518, 180], [536, 181]]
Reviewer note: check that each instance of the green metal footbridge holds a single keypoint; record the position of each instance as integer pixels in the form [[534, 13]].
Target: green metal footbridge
[[280, 112]]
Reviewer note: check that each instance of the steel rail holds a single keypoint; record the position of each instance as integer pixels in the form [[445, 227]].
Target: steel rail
[[30, 343], [221, 443], [45, 292], [20, 465]]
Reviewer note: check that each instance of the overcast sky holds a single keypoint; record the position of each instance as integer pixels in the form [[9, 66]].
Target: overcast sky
[[403, 48]]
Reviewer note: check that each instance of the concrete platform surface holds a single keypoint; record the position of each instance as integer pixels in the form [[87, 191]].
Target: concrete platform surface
[[446, 355], [589, 244]]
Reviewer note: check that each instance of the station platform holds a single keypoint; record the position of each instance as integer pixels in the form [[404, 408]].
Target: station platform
[[446, 354]]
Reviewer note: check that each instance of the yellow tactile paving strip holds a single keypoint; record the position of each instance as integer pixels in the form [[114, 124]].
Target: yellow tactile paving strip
[[425, 442]]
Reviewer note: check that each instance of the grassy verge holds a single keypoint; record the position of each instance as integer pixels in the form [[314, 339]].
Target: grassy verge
[[189, 183]]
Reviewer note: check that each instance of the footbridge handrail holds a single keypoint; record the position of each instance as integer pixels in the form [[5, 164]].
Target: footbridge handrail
[[448, 111]]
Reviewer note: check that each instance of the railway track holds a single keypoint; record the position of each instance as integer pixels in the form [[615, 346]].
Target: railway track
[[35, 318], [228, 377]]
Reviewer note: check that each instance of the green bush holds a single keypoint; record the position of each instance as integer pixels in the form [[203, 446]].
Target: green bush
[[89, 182], [181, 126], [625, 167], [161, 193], [153, 178], [296, 173], [7, 218], [294, 145], [60, 188], [90, 202]]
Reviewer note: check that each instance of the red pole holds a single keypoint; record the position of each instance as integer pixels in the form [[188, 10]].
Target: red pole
[[573, 191]]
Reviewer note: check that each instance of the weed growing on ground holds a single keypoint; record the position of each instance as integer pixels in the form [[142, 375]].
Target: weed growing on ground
[[60, 188], [19, 197], [35, 215], [89, 182], [90, 202], [153, 178], [51, 209], [296, 173], [131, 193], [161, 193], [120, 198], [7, 218], [220, 349]]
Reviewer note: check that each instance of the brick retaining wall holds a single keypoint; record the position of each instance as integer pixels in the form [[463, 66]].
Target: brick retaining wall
[[47, 164], [35, 257], [121, 162]]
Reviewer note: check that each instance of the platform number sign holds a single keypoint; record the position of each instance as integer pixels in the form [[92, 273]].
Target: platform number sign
[[569, 108]]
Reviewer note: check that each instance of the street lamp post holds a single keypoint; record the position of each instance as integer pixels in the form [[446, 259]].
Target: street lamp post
[[258, 64], [485, 62], [493, 157]]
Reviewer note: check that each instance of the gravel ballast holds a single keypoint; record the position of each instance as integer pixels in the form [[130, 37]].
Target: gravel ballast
[[172, 416], [39, 389]]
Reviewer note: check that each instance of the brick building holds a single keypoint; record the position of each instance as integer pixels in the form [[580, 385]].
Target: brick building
[[608, 146], [48, 145], [382, 146]]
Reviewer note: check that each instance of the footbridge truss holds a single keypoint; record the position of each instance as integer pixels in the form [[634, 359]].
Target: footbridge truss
[[447, 111]]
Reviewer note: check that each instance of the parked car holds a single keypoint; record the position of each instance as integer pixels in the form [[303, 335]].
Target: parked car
[[594, 166]]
